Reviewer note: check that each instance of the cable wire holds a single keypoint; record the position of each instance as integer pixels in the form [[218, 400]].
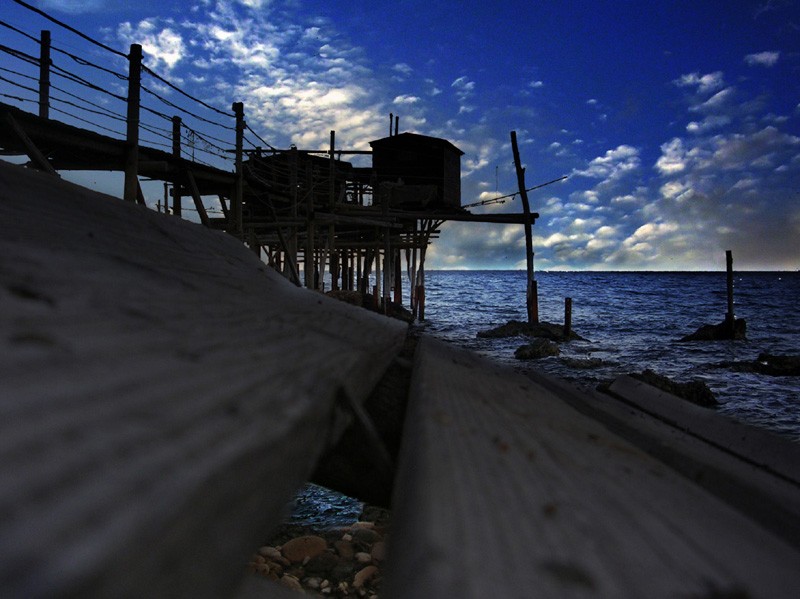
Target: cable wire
[[72, 29]]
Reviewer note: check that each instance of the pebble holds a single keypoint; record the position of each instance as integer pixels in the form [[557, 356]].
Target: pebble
[[344, 549], [291, 582], [347, 564], [378, 552], [303, 547], [362, 557], [363, 575]]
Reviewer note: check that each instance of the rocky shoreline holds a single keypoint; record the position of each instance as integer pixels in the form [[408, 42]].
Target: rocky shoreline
[[328, 562]]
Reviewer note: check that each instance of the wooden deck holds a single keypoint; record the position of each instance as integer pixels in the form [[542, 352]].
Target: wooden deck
[[506, 490], [163, 393]]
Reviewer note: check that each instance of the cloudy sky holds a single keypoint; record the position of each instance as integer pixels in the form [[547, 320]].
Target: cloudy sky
[[677, 123]]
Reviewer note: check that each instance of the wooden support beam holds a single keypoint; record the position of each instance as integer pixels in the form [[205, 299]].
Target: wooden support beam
[[37, 158], [132, 136], [198, 201], [526, 210], [44, 74]]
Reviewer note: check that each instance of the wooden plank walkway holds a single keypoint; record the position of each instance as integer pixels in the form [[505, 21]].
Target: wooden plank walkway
[[505, 490], [162, 394]]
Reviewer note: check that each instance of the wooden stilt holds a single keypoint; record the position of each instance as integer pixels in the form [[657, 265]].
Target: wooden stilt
[[526, 208], [567, 316], [132, 137], [730, 317]]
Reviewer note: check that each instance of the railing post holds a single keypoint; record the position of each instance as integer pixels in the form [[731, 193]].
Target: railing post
[[236, 204], [134, 91], [176, 151], [44, 75]]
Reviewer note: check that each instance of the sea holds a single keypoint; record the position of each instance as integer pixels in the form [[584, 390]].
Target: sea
[[632, 321]]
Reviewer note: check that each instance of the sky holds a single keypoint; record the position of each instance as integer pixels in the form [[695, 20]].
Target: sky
[[676, 123]]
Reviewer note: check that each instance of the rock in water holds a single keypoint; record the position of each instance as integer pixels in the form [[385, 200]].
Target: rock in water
[[540, 348], [696, 392], [517, 328], [719, 332], [778, 365]]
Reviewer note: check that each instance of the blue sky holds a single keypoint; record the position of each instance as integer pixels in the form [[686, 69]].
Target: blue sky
[[677, 123]]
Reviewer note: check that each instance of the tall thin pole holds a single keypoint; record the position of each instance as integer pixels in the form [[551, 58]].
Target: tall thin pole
[[236, 204], [176, 152], [131, 189], [533, 316], [44, 75], [729, 317]]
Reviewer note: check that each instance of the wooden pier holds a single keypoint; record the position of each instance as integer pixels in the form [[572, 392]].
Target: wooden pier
[[309, 210], [164, 392], [164, 389]]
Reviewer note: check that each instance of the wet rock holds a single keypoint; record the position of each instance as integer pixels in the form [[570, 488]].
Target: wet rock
[[367, 301], [365, 536], [696, 392], [321, 564], [363, 575], [517, 328], [300, 548], [344, 549], [766, 363], [378, 552], [355, 298], [539, 348], [291, 582], [778, 365], [719, 332], [362, 557], [584, 364]]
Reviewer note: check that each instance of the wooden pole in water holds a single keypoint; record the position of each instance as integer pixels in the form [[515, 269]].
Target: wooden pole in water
[[533, 317], [567, 316], [729, 317]]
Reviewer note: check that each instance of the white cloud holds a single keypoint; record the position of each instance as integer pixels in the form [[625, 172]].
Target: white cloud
[[160, 45], [673, 157], [613, 164], [764, 59], [708, 123], [536, 84], [715, 102], [704, 83], [405, 99], [72, 6], [464, 89], [403, 69]]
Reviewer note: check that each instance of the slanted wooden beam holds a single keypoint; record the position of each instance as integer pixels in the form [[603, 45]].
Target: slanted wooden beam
[[198, 201], [37, 158]]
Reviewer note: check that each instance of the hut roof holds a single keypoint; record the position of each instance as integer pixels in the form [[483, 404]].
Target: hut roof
[[411, 139]]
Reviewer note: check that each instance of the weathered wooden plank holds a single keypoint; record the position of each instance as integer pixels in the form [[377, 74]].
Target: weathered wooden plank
[[504, 490], [162, 394], [750, 443], [757, 491]]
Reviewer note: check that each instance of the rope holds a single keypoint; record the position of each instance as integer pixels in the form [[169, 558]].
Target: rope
[[180, 91], [72, 29]]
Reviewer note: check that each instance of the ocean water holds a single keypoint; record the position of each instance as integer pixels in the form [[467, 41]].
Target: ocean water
[[632, 321]]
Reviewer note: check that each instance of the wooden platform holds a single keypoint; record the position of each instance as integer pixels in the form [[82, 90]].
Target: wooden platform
[[506, 490], [163, 393]]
